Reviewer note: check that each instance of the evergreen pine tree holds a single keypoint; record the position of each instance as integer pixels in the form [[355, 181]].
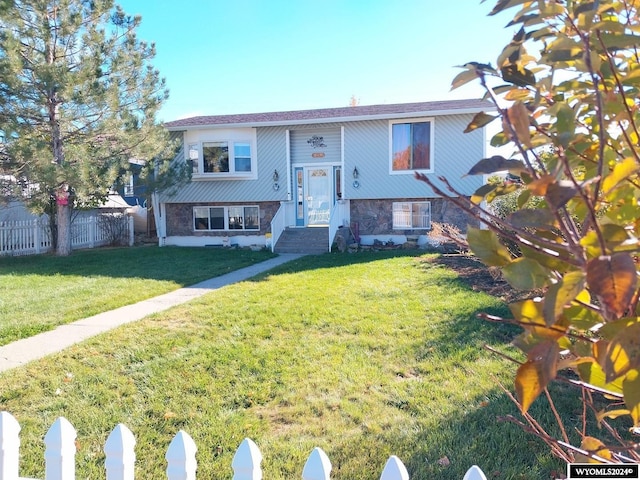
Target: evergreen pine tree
[[78, 99]]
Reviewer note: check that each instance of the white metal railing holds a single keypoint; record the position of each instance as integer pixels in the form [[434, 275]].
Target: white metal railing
[[119, 450]]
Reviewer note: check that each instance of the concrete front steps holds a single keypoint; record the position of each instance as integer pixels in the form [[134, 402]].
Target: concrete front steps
[[310, 240]]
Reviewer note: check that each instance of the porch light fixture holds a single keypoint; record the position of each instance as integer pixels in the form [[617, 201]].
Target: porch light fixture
[[356, 174], [276, 177]]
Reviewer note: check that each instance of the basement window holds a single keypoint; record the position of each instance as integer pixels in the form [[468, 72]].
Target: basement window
[[411, 215], [226, 218]]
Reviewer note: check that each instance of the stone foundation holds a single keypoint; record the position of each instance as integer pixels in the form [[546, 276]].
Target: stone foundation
[[180, 219], [375, 217]]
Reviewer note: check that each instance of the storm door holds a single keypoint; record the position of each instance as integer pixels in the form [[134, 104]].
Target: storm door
[[319, 192], [315, 194]]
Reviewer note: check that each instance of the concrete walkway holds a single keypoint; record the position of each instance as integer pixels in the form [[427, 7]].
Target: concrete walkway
[[24, 351]]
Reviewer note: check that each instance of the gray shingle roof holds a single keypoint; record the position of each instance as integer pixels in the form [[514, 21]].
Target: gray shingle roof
[[325, 115]]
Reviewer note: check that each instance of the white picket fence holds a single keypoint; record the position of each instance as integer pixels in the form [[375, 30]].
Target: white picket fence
[[60, 450], [31, 237]]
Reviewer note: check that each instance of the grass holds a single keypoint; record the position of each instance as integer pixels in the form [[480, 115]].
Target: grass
[[37, 293], [363, 355]]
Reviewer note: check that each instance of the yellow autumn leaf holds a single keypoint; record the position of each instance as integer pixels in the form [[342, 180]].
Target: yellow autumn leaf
[[621, 171], [594, 446]]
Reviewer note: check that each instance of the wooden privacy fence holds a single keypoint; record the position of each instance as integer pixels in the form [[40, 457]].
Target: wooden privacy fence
[[30, 237], [120, 456]]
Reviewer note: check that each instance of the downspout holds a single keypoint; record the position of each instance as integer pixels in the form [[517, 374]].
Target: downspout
[[159, 217]]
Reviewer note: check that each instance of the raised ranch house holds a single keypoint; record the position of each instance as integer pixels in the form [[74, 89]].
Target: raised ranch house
[[292, 180]]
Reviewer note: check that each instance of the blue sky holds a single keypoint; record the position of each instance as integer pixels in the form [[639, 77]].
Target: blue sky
[[242, 56]]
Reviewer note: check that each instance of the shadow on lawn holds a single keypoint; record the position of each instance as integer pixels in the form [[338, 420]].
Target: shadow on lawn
[[481, 436], [335, 260], [183, 265]]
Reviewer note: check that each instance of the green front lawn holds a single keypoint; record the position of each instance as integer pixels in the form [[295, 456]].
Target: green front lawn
[[363, 355], [37, 293]]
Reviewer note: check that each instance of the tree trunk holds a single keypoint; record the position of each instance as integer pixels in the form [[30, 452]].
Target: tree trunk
[[63, 213]]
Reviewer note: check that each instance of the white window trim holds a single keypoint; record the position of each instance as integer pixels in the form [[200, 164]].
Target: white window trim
[[200, 174], [432, 130], [409, 225], [226, 219], [129, 190]]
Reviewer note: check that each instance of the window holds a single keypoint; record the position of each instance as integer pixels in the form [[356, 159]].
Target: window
[[215, 156], [128, 188], [193, 155], [226, 218], [411, 215], [223, 157], [242, 157], [411, 144]]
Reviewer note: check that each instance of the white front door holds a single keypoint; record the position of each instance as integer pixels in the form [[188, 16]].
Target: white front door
[[318, 195]]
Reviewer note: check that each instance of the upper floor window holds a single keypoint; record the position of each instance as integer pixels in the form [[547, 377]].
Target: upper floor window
[[411, 145], [215, 156], [226, 158]]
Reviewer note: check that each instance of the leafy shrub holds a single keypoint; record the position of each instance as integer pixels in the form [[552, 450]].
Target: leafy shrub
[[567, 91]]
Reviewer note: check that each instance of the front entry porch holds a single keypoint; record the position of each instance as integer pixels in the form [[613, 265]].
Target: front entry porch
[[310, 240], [287, 237]]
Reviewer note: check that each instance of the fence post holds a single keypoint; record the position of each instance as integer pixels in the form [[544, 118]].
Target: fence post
[[394, 470], [36, 235], [131, 230], [93, 230], [318, 466], [181, 458], [120, 454], [9, 445], [474, 473], [246, 461], [60, 452]]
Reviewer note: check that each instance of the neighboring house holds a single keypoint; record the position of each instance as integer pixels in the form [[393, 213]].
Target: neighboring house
[[256, 176], [132, 192], [133, 189]]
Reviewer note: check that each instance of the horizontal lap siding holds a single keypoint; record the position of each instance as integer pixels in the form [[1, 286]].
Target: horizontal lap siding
[[367, 148], [271, 155], [302, 148]]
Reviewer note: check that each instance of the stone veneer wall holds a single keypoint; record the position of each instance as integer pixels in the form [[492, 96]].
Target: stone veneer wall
[[375, 217], [180, 219]]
